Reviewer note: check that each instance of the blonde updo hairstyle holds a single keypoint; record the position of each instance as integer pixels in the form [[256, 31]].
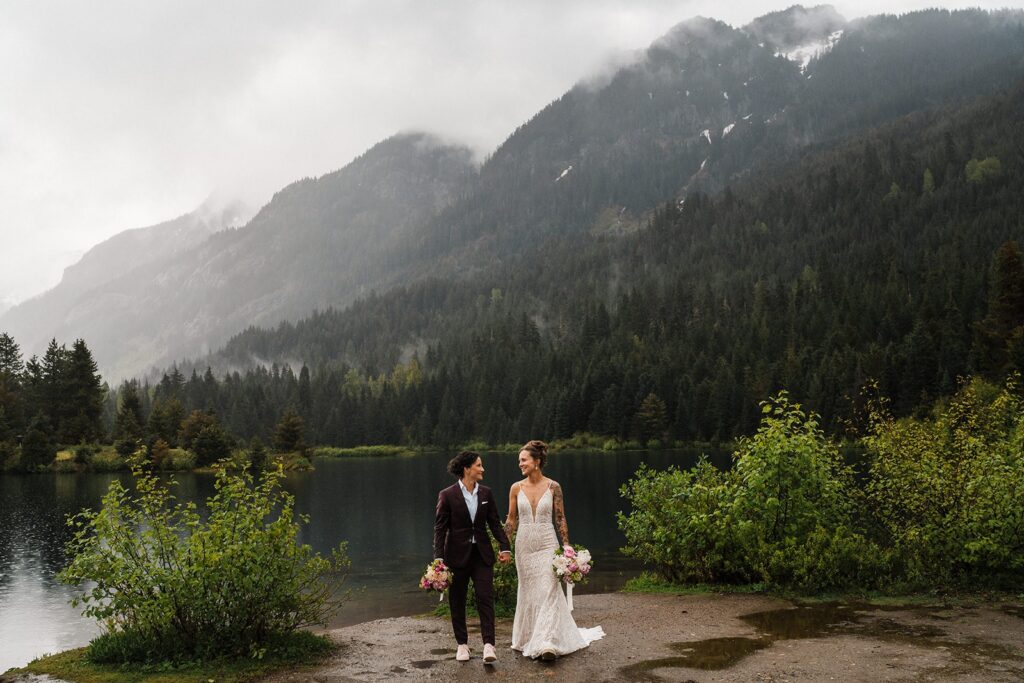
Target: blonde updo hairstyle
[[538, 450]]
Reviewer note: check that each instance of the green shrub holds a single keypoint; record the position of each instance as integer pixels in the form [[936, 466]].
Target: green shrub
[[107, 460], [947, 491], [681, 525], [291, 461], [84, 452], [792, 484], [167, 584], [783, 516]]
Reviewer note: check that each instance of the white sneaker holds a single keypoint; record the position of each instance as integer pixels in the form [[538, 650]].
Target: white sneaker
[[462, 653], [489, 654]]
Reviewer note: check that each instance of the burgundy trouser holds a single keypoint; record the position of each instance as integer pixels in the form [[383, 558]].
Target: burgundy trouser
[[483, 586]]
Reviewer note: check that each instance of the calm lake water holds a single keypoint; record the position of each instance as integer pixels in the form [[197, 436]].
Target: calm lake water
[[383, 507]]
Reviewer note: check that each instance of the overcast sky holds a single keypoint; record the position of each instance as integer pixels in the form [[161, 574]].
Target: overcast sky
[[122, 114]]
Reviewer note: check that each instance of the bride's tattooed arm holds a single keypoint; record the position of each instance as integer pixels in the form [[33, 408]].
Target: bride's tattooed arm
[[561, 526], [512, 521]]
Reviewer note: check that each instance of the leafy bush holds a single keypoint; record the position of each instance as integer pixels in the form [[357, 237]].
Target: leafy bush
[[107, 460], [782, 516], [947, 491], [680, 523], [167, 584], [794, 493], [84, 452]]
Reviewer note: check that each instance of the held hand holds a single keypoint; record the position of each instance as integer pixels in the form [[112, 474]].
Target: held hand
[[504, 557]]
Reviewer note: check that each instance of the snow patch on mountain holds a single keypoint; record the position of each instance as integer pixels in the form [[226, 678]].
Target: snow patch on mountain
[[564, 173], [803, 54]]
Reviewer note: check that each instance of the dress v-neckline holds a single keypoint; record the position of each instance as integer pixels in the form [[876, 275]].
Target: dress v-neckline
[[533, 508]]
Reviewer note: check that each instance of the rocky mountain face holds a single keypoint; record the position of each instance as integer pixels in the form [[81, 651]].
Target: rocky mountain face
[[318, 243], [700, 110], [131, 255]]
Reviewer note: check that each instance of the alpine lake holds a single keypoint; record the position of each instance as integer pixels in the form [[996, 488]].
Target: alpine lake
[[382, 506]]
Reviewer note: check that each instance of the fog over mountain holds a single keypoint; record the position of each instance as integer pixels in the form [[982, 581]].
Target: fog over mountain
[[704, 108]]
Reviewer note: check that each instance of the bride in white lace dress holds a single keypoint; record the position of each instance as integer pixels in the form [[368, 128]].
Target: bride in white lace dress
[[543, 625]]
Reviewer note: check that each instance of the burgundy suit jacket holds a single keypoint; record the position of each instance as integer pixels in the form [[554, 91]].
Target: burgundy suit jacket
[[453, 529]]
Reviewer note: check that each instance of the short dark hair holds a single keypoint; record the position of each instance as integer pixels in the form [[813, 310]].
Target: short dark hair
[[538, 450], [457, 465]]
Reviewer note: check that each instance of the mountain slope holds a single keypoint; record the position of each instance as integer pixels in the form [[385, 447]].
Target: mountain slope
[[706, 107], [132, 253], [867, 260], [318, 242], [708, 104]]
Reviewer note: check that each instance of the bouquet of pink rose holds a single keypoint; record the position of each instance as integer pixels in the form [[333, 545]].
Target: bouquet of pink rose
[[437, 578], [572, 564]]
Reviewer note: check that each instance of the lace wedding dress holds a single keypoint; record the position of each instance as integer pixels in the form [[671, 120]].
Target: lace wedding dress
[[543, 621]]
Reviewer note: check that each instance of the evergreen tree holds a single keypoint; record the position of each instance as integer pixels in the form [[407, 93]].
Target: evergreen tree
[[1005, 311], [128, 426], [12, 400], [202, 433], [289, 434], [652, 417], [37, 448], [83, 411]]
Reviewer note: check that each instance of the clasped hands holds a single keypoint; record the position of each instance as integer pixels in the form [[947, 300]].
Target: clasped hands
[[505, 556]]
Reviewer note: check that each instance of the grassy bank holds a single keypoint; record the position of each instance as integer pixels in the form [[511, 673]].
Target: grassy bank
[[364, 451], [303, 650], [106, 458], [650, 583], [578, 442]]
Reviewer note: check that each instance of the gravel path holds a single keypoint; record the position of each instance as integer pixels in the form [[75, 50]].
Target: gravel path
[[706, 638]]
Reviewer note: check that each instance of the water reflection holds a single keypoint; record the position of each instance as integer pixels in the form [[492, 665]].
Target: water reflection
[[383, 507]]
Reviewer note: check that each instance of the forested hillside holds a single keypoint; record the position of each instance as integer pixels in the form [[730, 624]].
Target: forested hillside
[[702, 108], [871, 260]]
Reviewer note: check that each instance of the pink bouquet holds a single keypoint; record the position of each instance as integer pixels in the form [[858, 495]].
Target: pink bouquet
[[572, 564], [437, 577]]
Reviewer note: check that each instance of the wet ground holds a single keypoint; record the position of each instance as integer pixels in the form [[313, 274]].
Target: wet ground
[[709, 638]]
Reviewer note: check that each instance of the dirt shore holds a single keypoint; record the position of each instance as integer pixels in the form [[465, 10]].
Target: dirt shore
[[707, 638]]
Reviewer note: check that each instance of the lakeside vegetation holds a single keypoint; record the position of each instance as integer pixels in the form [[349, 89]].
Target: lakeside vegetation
[[934, 505], [184, 596]]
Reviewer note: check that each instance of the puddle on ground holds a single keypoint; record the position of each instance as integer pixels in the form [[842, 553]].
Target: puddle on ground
[[442, 651], [423, 663], [817, 621]]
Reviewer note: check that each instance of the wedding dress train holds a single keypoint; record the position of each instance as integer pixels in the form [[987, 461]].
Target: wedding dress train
[[543, 621]]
